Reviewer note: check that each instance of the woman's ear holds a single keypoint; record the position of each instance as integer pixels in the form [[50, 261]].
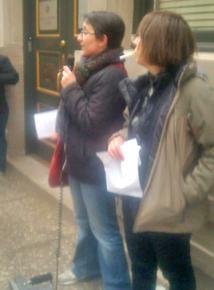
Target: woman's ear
[[104, 41]]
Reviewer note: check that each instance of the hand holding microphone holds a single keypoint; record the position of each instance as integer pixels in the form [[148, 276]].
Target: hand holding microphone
[[68, 77], [70, 61]]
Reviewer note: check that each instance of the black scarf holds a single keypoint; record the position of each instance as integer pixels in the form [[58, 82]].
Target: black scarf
[[90, 65]]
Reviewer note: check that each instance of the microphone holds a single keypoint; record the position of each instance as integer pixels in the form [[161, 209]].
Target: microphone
[[70, 61]]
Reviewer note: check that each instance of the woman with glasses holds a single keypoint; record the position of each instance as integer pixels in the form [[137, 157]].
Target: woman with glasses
[[90, 111], [171, 111]]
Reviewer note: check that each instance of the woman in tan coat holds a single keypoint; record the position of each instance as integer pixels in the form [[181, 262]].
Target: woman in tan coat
[[170, 114]]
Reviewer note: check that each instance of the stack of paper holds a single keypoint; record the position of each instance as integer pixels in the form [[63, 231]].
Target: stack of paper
[[45, 124], [122, 176]]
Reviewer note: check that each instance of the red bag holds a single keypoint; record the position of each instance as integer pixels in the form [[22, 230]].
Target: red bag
[[57, 175]]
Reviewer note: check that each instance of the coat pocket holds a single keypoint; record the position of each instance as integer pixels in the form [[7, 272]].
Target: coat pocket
[[164, 202], [161, 208]]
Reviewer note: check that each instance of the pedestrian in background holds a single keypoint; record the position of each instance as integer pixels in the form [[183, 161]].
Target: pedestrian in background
[[90, 111], [8, 76], [171, 111]]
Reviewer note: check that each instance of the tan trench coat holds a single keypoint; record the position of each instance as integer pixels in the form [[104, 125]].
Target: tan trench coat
[[175, 196]]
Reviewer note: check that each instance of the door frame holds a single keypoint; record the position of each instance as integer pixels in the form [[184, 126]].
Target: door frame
[[30, 75]]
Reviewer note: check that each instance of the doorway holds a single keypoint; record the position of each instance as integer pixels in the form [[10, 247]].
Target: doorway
[[49, 39]]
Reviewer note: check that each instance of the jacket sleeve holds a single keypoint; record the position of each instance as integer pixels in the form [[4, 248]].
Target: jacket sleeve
[[124, 131], [8, 74], [200, 180], [94, 112]]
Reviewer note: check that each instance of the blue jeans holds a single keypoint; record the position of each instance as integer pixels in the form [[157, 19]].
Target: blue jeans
[[3, 142], [99, 249]]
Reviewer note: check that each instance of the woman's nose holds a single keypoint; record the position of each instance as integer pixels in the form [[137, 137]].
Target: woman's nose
[[78, 37]]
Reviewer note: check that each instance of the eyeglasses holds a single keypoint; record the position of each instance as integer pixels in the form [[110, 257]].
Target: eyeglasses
[[83, 32]]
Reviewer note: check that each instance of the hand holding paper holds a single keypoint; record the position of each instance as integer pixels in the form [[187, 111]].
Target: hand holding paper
[[45, 123], [122, 176]]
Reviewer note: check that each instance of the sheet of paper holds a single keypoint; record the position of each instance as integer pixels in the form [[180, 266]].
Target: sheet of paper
[[45, 123], [122, 176]]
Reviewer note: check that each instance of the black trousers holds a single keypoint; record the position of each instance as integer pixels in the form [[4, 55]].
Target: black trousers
[[150, 250]]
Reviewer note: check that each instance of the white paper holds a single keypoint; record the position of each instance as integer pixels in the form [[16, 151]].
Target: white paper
[[45, 124], [122, 176]]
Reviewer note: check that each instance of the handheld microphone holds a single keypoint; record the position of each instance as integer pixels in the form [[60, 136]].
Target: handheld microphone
[[70, 61]]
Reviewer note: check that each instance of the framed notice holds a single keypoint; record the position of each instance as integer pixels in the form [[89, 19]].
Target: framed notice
[[47, 20]]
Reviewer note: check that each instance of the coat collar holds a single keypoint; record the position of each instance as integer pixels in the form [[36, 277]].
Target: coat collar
[[131, 87]]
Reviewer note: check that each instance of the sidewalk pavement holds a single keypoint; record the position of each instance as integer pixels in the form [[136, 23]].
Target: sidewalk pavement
[[28, 227], [29, 219]]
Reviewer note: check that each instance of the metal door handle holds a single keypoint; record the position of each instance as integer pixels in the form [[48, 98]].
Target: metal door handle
[[62, 43]]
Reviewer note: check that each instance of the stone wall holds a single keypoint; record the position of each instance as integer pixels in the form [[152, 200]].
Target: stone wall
[[11, 44]]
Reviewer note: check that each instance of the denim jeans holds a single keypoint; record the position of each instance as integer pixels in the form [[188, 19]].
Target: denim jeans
[[99, 248], [148, 250], [3, 142]]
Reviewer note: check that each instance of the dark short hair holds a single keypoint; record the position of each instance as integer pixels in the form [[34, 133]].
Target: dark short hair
[[166, 37], [108, 23]]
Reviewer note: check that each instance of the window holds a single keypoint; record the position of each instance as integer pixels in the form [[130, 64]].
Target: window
[[200, 16], [141, 7]]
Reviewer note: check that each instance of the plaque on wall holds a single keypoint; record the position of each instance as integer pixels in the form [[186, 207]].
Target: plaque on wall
[[47, 18]]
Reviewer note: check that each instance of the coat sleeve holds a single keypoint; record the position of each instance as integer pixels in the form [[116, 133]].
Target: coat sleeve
[[94, 111], [124, 131], [8, 74], [200, 180]]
